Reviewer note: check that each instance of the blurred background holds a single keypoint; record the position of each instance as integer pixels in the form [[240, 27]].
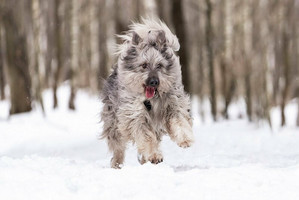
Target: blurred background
[[231, 50]]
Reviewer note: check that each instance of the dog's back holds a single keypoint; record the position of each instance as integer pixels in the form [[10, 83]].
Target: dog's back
[[109, 98]]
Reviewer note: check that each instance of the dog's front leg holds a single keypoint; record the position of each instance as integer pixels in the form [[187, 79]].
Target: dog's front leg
[[180, 131], [148, 146]]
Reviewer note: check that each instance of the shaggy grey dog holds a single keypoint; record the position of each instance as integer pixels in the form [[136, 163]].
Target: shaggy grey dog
[[143, 97]]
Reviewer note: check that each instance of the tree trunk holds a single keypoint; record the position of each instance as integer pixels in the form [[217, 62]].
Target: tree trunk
[[58, 51], [228, 82], [119, 25], [266, 97], [2, 81], [38, 76], [161, 9], [74, 52], [248, 96], [277, 70], [209, 39], [229, 96], [201, 72], [50, 29], [222, 18], [103, 52], [17, 58], [180, 30], [247, 63], [286, 71]]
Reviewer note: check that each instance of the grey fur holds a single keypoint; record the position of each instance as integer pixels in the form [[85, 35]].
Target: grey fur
[[125, 116]]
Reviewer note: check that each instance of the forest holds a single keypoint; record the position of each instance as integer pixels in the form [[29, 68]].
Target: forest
[[231, 50]]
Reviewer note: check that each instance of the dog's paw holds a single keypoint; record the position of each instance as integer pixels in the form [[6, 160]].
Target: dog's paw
[[114, 164], [156, 158], [141, 159], [181, 133], [185, 142]]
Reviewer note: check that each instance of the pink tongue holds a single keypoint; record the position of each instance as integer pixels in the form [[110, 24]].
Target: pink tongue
[[149, 92]]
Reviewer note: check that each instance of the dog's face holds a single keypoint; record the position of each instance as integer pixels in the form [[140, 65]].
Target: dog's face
[[149, 67]]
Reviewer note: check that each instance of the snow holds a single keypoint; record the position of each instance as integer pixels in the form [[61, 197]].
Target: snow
[[59, 156]]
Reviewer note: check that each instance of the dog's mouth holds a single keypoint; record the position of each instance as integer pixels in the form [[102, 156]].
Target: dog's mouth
[[150, 91]]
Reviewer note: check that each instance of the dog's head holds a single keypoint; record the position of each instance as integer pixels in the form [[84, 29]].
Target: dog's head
[[149, 66]]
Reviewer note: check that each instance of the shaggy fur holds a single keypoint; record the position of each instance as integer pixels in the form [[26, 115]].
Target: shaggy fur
[[143, 97]]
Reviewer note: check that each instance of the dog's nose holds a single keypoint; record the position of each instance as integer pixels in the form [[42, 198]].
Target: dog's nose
[[154, 82]]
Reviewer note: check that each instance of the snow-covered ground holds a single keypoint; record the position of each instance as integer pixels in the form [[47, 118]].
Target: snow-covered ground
[[60, 157]]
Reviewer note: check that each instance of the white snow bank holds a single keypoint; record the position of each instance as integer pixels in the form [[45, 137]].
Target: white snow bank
[[36, 177]]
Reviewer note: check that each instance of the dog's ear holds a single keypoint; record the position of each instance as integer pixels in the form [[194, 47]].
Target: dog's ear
[[136, 39], [161, 38]]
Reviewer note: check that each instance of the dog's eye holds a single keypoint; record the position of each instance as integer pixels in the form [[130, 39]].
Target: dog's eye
[[144, 65], [159, 66]]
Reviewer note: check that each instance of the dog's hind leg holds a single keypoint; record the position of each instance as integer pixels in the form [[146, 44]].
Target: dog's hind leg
[[115, 140], [117, 145]]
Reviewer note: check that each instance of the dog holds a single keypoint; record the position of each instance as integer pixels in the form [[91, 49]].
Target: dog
[[144, 97]]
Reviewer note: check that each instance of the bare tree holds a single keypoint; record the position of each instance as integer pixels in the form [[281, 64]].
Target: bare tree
[[49, 7], [2, 81], [103, 51], [247, 46], [286, 59], [17, 58], [286, 74], [228, 82], [180, 30], [38, 67], [120, 25], [210, 54], [163, 7], [74, 52], [58, 52]]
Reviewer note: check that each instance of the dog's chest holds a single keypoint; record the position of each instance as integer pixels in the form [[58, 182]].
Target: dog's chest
[[156, 112]]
